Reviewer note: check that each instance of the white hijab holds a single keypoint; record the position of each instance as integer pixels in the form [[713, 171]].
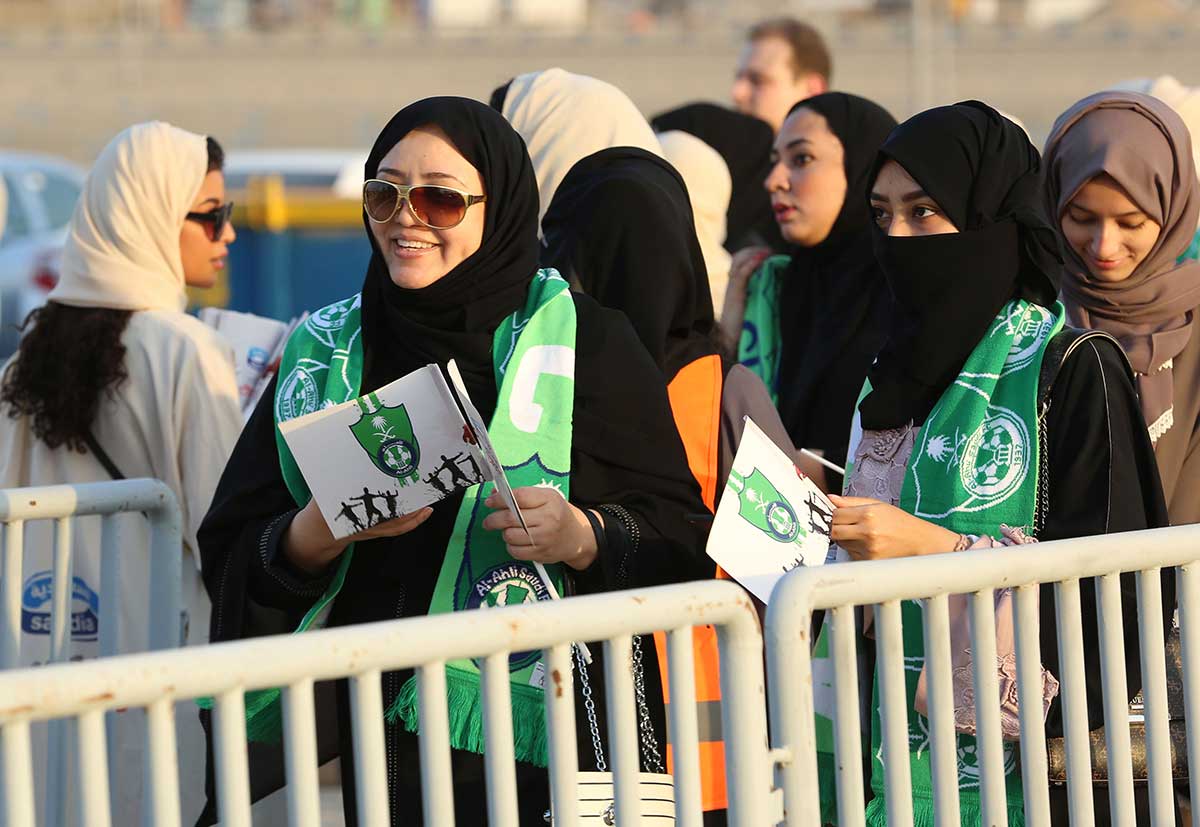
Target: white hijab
[[564, 118], [709, 187], [122, 248]]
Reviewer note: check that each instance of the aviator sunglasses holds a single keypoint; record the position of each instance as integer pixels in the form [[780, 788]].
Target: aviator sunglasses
[[214, 221], [438, 208]]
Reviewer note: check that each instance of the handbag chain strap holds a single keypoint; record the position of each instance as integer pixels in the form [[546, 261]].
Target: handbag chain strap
[[645, 728]]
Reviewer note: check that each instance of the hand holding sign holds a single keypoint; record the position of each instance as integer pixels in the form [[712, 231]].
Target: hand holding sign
[[872, 530]]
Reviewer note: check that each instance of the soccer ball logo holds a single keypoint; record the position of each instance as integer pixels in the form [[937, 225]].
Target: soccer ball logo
[[781, 521], [399, 456], [996, 457]]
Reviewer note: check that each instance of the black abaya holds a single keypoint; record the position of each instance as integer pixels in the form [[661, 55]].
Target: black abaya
[[625, 451]]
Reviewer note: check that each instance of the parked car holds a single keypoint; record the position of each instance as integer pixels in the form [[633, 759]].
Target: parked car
[[41, 194], [339, 171]]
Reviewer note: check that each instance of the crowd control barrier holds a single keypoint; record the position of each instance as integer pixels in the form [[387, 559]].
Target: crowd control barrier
[[62, 504], [839, 589], [84, 691]]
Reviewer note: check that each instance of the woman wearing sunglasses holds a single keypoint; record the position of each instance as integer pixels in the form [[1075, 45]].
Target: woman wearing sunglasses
[[450, 207], [112, 379]]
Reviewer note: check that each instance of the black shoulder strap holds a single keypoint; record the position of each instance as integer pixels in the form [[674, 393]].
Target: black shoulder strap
[[103, 457], [1060, 348]]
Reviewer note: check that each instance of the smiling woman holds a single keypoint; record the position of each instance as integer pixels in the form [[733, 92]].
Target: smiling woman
[[450, 208], [1122, 183], [429, 227]]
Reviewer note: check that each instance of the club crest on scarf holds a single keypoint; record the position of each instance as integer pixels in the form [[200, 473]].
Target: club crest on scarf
[[984, 465], [305, 388]]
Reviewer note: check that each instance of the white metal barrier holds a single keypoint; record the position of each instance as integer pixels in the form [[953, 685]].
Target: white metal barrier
[[63, 503], [84, 691], [931, 579]]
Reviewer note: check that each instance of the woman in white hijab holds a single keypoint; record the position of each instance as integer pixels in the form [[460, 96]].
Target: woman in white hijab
[[709, 187], [564, 118], [112, 379]]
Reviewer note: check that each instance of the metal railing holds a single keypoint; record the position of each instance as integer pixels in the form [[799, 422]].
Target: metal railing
[[62, 504], [84, 691], [932, 579]]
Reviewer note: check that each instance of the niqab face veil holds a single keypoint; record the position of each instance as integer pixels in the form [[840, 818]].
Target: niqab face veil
[[985, 175], [404, 329], [1143, 145]]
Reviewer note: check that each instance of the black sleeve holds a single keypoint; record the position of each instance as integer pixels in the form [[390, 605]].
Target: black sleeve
[[1102, 479], [627, 460], [252, 591]]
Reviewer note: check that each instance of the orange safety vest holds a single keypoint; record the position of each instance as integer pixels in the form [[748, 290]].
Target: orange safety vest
[[695, 395]]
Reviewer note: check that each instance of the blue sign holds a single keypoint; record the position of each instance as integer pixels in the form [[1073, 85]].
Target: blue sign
[[37, 595]]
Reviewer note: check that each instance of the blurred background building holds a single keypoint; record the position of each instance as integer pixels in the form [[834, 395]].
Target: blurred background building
[[296, 90]]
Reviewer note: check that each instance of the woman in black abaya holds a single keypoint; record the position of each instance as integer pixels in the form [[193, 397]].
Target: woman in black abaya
[[267, 557], [809, 323]]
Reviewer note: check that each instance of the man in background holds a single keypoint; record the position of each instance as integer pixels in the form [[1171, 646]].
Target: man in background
[[784, 61]]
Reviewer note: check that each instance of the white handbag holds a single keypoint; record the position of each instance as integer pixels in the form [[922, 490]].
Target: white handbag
[[596, 792]]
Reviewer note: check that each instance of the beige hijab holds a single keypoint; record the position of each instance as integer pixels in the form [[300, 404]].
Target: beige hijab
[[709, 187], [565, 117], [122, 248], [1145, 147]]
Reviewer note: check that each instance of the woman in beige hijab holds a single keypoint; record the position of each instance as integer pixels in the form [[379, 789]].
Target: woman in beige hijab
[[564, 118], [112, 379], [709, 188], [1122, 189]]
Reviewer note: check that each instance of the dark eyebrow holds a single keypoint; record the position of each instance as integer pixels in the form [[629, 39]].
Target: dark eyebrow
[[441, 176], [908, 197], [214, 201], [797, 142]]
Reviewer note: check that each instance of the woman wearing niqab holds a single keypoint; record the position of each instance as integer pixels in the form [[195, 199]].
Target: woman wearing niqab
[[619, 462], [980, 428]]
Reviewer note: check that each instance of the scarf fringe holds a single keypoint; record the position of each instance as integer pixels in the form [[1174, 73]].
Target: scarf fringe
[[970, 813], [466, 716]]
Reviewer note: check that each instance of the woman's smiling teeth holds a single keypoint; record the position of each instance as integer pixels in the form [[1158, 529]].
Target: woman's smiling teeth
[[405, 247]]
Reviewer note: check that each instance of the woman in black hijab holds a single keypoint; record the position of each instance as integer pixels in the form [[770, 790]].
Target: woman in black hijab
[[984, 412], [431, 295], [620, 227], [810, 323], [745, 143]]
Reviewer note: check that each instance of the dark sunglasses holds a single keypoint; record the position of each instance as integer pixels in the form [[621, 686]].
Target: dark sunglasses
[[214, 221], [438, 208]]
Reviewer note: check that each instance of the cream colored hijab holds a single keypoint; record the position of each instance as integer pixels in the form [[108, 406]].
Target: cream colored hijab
[[565, 118], [122, 248], [709, 187]]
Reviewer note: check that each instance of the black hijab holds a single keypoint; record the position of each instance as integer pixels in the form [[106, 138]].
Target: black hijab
[[745, 143], [620, 227], [833, 300], [404, 329], [984, 173]]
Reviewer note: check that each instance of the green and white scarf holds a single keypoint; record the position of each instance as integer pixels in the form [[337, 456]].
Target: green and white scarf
[[973, 467], [759, 345], [533, 355]]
